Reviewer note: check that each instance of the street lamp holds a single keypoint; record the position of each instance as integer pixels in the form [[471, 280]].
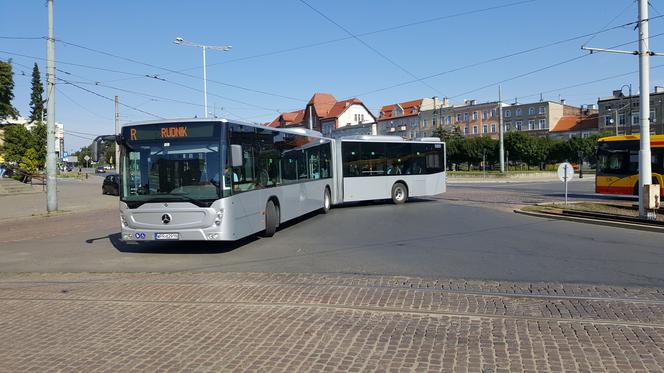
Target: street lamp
[[629, 87], [223, 48]]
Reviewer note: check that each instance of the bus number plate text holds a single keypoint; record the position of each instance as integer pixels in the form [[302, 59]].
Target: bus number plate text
[[166, 236]]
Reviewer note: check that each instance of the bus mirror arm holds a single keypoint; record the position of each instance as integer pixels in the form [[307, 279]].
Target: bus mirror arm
[[236, 155], [120, 139]]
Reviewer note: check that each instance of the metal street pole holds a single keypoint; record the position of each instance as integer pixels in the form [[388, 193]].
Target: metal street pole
[[501, 130], [51, 186], [223, 48], [117, 133], [205, 82], [645, 171]]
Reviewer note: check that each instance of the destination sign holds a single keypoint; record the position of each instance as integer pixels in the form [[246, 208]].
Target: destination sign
[[170, 131]]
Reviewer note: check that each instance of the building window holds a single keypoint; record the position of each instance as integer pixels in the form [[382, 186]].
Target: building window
[[542, 110], [465, 117], [458, 118], [542, 124], [493, 113], [449, 119], [652, 116], [507, 126], [531, 111], [607, 121], [433, 121], [519, 124], [475, 130], [621, 119], [531, 125], [474, 115], [485, 115], [493, 128], [508, 113], [635, 119], [518, 112], [413, 110], [465, 130], [485, 128]]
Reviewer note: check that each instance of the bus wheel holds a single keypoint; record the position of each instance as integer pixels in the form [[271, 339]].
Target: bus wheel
[[399, 193], [327, 201], [271, 219]]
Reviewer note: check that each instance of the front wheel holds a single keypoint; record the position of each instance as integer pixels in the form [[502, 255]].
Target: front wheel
[[271, 219], [327, 202], [399, 193]]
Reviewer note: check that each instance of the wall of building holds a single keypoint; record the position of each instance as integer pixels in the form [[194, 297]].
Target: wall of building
[[349, 116]]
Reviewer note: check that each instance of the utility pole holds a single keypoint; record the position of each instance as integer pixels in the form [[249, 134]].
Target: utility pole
[[501, 130], [51, 186], [644, 53], [117, 133]]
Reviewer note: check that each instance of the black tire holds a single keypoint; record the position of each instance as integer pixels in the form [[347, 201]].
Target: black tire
[[327, 201], [103, 190], [399, 193], [271, 219]]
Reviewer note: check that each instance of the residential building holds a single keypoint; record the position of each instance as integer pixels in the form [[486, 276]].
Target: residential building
[[402, 119], [540, 118], [325, 114], [620, 113], [576, 126], [59, 132], [472, 118]]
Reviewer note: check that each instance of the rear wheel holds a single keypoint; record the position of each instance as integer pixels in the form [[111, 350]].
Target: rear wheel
[[271, 219], [327, 201], [399, 193]]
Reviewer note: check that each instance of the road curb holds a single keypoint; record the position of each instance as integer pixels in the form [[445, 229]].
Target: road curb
[[607, 223]]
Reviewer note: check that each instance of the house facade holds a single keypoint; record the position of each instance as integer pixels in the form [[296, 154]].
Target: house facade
[[540, 118], [620, 114], [576, 126], [325, 114], [403, 119]]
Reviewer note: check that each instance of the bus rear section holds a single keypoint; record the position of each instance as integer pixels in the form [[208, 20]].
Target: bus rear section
[[388, 167], [618, 164]]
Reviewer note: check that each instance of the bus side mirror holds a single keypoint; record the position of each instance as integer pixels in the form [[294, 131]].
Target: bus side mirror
[[236, 155]]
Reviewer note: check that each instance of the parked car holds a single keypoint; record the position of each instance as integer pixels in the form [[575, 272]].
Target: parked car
[[111, 185], [100, 170]]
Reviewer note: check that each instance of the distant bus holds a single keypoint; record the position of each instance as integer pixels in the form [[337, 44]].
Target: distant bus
[[210, 179], [618, 164]]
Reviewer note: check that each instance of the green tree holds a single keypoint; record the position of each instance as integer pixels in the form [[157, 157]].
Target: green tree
[[453, 143], [37, 97], [7, 91], [81, 155], [17, 142], [29, 162], [108, 153], [38, 142]]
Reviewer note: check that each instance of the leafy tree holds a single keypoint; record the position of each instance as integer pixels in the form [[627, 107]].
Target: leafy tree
[[453, 143], [38, 142], [108, 153], [7, 91], [29, 162], [36, 98], [17, 142], [82, 153]]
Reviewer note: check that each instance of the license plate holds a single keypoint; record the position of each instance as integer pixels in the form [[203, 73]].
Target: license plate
[[166, 236]]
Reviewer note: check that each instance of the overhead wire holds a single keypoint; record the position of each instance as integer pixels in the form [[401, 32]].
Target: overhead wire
[[376, 51]]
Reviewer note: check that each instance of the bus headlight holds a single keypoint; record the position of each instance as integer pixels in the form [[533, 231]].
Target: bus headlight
[[123, 220], [220, 215]]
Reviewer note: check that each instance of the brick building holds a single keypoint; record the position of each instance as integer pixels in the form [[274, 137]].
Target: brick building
[[620, 113]]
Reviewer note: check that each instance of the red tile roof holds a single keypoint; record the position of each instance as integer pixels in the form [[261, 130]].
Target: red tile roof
[[408, 106], [576, 123], [325, 105]]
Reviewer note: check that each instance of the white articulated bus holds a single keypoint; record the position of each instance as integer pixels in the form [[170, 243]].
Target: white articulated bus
[[211, 179]]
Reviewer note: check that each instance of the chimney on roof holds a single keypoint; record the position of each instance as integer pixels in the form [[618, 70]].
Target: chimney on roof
[[435, 102], [659, 89], [618, 93], [562, 101], [446, 101]]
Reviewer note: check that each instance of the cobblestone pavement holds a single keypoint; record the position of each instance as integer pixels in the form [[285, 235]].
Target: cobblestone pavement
[[285, 322]]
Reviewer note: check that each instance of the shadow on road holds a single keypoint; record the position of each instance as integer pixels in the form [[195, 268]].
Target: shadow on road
[[180, 247], [592, 196]]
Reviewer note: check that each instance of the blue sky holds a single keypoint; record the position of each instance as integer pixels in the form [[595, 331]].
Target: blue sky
[[437, 36]]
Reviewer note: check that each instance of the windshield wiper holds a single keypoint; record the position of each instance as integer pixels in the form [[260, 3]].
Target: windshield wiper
[[195, 201]]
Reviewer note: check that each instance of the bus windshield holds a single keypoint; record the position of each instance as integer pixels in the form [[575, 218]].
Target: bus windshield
[[163, 171]]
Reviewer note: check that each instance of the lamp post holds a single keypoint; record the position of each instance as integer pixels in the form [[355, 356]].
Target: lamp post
[[223, 48], [629, 87]]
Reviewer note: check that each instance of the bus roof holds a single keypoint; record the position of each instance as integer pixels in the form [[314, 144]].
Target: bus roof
[[657, 138], [298, 131]]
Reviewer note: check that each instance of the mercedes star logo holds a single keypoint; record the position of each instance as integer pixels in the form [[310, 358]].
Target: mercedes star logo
[[166, 218]]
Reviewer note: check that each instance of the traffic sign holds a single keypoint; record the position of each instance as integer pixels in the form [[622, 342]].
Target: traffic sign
[[87, 158], [565, 172], [65, 155]]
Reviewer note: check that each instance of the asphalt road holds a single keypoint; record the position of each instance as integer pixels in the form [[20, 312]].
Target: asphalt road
[[427, 238]]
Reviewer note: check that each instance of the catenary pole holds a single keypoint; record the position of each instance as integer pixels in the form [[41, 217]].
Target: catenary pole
[[645, 171], [51, 186], [117, 133], [501, 129]]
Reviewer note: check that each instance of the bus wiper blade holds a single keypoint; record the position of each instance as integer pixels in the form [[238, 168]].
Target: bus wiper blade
[[197, 202]]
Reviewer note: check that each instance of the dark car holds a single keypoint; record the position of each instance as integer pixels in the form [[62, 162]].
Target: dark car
[[111, 185], [100, 170]]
